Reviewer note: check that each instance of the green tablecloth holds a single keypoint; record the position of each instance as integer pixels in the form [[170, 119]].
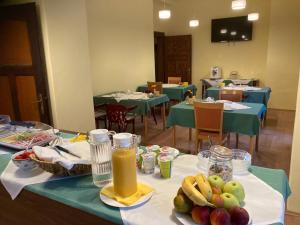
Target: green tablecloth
[[257, 96], [243, 121], [80, 193], [143, 106], [174, 93]]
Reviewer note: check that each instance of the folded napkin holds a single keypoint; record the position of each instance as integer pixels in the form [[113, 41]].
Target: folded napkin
[[14, 179], [66, 160], [143, 190]]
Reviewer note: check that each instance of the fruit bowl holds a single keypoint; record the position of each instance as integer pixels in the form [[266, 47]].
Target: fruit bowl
[[241, 161], [23, 161], [210, 200]]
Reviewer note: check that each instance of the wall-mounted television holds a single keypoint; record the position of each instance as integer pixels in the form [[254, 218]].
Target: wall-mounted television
[[231, 29]]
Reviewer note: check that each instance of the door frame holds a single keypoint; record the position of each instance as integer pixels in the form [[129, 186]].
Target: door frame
[[27, 12]]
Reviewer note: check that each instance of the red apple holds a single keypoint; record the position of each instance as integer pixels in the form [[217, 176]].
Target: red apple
[[201, 214], [239, 216], [217, 201], [220, 216], [216, 190]]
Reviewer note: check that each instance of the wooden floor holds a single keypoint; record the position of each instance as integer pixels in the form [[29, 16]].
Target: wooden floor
[[274, 146]]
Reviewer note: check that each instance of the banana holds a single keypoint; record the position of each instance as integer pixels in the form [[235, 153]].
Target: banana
[[192, 193], [204, 186]]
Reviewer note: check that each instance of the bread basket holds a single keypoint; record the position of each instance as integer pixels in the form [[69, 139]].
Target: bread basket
[[59, 170]]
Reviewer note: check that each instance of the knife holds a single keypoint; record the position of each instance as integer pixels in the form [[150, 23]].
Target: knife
[[67, 151]]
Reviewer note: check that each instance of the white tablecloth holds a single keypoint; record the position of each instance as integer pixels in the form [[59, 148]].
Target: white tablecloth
[[265, 204]]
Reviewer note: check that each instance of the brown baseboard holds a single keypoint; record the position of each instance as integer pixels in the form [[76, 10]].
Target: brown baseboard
[[292, 213]]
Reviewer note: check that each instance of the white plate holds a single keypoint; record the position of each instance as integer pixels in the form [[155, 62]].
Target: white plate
[[114, 203], [186, 219], [175, 152]]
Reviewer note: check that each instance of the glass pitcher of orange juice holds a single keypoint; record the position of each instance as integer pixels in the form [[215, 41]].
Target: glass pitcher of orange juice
[[124, 165]]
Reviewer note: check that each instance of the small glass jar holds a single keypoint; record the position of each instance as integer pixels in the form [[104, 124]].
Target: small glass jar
[[220, 162]]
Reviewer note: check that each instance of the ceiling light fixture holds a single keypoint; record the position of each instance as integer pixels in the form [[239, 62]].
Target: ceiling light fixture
[[233, 33], [194, 23], [253, 16], [164, 13], [238, 4]]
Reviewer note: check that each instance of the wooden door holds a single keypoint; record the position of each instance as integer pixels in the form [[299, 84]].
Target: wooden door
[[178, 57], [23, 84], [159, 54]]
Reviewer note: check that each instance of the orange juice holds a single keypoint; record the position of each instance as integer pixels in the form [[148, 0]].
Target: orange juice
[[124, 171]]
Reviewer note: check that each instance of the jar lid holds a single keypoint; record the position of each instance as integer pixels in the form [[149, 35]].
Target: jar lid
[[98, 135], [221, 151], [123, 140]]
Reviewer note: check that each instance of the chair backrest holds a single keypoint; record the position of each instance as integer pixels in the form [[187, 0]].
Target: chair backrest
[[209, 116], [231, 95], [155, 86], [116, 113], [174, 80]]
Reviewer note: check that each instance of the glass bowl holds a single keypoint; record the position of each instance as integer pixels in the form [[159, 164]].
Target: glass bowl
[[241, 161]]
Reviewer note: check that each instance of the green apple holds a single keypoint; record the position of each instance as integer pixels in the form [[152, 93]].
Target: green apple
[[235, 188], [216, 181], [230, 200]]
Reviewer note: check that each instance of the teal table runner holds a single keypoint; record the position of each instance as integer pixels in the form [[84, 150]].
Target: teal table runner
[[80, 193], [255, 96], [174, 93], [243, 121], [143, 105]]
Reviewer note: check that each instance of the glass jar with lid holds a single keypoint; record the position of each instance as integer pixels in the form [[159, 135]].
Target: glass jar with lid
[[220, 162]]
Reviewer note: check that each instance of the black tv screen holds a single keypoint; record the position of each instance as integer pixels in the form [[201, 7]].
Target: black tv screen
[[231, 29]]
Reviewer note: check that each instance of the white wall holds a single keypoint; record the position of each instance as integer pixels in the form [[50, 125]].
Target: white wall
[[64, 28], [283, 59], [121, 44], [294, 199]]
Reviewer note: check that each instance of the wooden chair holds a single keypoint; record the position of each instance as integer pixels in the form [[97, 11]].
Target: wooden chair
[[119, 114], [100, 115], [174, 80], [234, 96], [155, 86], [231, 95], [209, 123]]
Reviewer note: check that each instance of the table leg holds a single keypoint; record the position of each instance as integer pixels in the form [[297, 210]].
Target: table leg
[[236, 140], [256, 143], [251, 145], [146, 126], [163, 115], [190, 134], [174, 135]]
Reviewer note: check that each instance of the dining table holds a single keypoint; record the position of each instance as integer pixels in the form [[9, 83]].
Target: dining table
[[75, 200], [252, 95], [143, 105], [173, 91], [241, 121]]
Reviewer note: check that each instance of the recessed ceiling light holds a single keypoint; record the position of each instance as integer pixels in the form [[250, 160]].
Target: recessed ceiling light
[[238, 4], [194, 23], [164, 14], [253, 16]]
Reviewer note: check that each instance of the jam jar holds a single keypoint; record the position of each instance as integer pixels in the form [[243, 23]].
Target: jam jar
[[220, 162]]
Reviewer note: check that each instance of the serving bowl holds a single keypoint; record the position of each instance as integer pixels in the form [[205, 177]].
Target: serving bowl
[[241, 161], [24, 163]]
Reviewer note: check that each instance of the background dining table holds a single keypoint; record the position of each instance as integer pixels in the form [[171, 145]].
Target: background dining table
[[174, 93], [253, 96], [143, 106], [241, 121]]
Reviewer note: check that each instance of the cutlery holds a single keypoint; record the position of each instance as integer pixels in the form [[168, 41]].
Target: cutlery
[[66, 151]]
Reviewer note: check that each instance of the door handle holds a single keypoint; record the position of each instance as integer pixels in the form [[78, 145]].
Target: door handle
[[40, 101]]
